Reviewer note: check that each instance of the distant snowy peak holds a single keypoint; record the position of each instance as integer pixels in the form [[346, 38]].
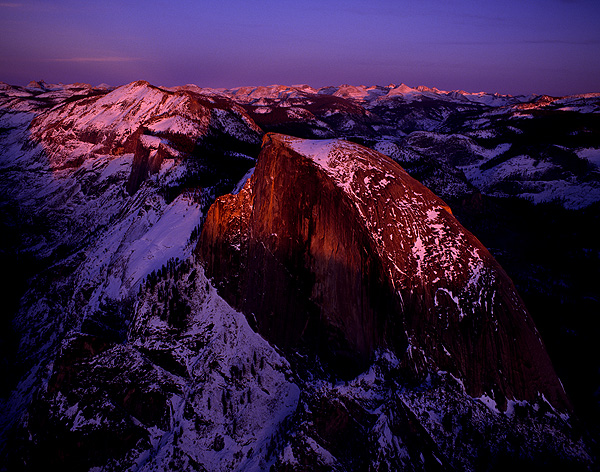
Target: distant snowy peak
[[481, 98], [424, 88], [272, 92], [361, 92], [369, 94], [364, 94], [402, 89]]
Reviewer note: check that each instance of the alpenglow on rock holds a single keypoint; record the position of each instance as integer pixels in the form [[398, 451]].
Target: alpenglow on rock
[[333, 248]]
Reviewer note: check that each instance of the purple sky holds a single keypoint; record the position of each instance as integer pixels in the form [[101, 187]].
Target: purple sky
[[510, 46]]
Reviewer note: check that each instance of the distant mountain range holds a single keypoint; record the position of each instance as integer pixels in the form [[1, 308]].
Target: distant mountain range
[[288, 278]]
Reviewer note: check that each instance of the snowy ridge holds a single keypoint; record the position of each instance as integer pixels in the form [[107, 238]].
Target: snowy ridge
[[222, 385], [369, 94], [110, 119], [109, 123]]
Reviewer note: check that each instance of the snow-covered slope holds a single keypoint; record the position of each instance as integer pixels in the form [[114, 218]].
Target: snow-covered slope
[[192, 387], [67, 163], [111, 123]]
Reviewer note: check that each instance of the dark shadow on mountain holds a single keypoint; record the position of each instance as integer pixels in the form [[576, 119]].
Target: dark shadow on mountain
[[553, 256]]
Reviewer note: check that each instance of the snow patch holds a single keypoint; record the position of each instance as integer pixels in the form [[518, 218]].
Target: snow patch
[[243, 181], [489, 402], [591, 154]]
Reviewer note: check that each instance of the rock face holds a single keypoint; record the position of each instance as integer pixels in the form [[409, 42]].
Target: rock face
[[332, 248]]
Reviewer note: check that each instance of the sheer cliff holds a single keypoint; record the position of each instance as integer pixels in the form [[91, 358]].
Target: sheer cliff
[[332, 247]]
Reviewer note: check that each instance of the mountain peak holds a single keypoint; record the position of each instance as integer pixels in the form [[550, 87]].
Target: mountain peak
[[334, 246]]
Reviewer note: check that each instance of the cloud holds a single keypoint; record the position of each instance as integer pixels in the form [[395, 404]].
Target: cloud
[[469, 43], [583, 42], [97, 59]]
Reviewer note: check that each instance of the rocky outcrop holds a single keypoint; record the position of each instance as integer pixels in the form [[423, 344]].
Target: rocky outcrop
[[332, 248], [150, 153]]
